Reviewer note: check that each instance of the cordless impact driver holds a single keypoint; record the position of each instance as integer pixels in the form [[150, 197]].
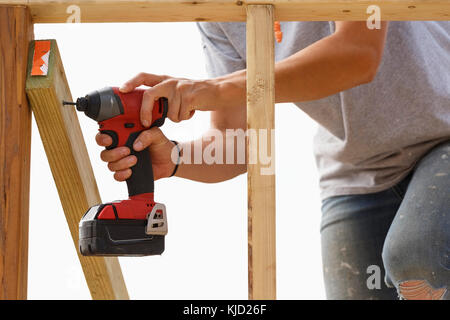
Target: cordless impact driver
[[136, 226]]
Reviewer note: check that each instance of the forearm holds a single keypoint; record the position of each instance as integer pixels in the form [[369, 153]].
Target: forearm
[[321, 69], [328, 66], [347, 58], [227, 160]]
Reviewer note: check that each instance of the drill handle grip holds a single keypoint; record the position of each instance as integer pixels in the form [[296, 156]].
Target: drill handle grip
[[141, 180]]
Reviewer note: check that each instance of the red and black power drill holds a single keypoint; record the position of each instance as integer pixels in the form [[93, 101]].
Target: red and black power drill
[[136, 226]]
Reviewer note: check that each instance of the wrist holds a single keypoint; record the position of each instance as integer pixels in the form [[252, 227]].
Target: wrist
[[225, 91], [232, 89], [177, 161]]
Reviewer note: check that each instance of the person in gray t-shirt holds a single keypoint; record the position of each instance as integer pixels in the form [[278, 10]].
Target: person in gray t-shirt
[[381, 98]]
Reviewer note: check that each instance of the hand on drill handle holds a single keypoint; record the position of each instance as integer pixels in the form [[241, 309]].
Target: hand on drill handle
[[181, 95], [184, 97], [120, 162]]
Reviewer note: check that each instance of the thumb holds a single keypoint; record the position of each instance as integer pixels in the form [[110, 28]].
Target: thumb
[[153, 136]]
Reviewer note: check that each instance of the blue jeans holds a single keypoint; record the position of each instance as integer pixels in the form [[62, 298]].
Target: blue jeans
[[401, 235]]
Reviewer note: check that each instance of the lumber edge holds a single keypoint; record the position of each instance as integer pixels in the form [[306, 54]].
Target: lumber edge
[[71, 168], [49, 11], [16, 30], [260, 180]]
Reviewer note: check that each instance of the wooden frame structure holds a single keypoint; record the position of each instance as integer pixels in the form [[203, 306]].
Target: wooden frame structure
[[61, 130]]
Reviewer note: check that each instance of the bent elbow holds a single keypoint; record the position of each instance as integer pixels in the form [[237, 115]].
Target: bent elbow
[[371, 61], [369, 74]]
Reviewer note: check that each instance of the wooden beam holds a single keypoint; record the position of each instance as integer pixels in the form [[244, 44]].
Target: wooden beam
[[50, 11], [260, 183], [16, 30], [71, 168]]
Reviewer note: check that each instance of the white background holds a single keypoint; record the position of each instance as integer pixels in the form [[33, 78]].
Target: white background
[[206, 247]]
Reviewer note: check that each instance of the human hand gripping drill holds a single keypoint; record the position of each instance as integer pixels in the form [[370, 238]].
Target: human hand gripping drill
[[136, 226]]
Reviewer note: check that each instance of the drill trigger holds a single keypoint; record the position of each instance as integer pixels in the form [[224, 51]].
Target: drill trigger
[[157, 221]]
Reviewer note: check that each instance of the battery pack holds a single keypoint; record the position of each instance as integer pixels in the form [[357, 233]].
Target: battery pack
[[120, 237]]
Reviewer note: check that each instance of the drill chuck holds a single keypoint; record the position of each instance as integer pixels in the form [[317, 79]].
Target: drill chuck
[[99, 105], [82, 104]]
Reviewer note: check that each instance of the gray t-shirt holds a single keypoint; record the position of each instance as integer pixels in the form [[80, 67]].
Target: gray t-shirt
[[370, 136]]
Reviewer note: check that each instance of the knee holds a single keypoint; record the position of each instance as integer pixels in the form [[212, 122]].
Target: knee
[[410, 267], [419, 290]]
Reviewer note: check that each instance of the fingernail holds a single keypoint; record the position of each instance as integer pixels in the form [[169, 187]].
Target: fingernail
[[123, 88], [145, 123], [138, 146]]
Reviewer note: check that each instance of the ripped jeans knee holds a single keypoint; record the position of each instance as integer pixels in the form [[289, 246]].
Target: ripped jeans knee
[[419, 271], [420, 290], [416, 251]]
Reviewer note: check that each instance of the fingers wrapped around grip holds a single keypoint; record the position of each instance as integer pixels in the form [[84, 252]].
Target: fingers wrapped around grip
[[114, 154], [123, 174], [122, 164], [103, 140], [120, 161]]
